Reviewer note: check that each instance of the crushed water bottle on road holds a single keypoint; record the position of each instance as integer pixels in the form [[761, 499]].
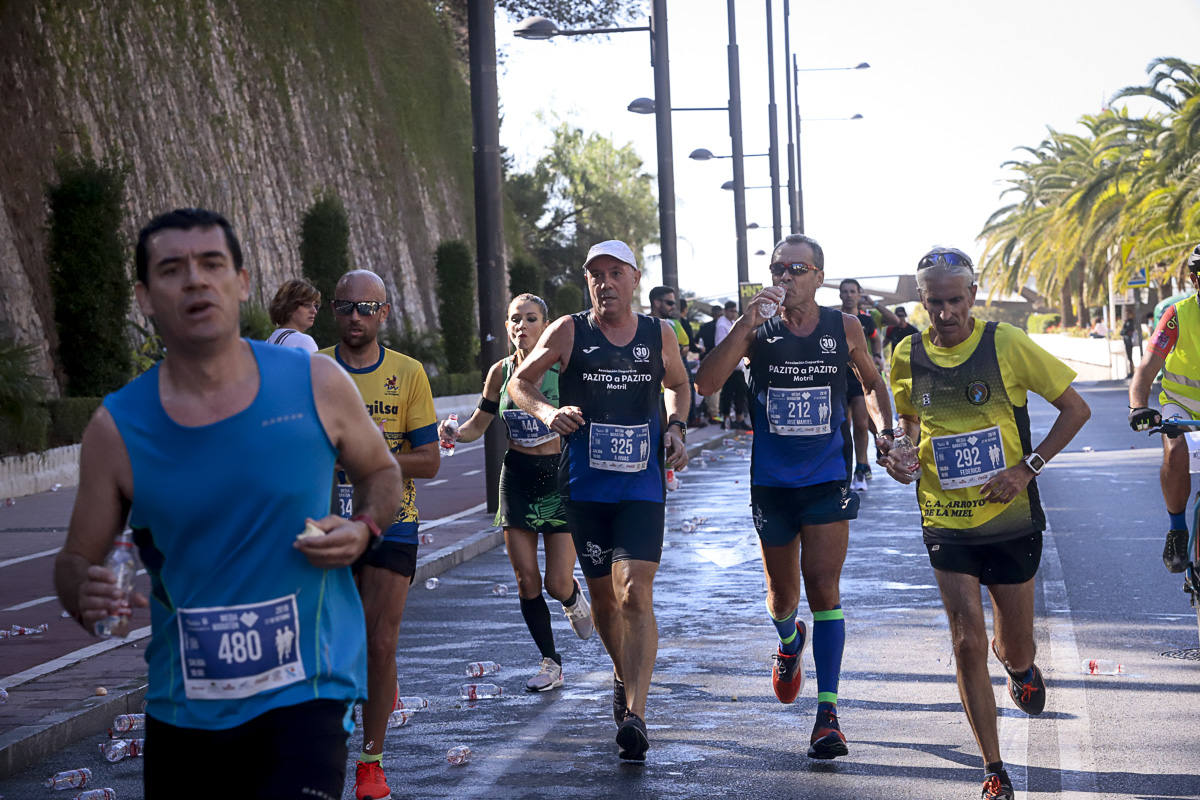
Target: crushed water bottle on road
[[458, 755], [479, 691], [69, 779], [478, 669]]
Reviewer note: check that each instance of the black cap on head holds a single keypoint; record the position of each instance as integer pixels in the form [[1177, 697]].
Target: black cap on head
[[1194, 260]]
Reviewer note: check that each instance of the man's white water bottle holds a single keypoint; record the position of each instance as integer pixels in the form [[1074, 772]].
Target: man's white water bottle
[[411, 704], [70, 779], [480, 691], [672, 479], [452, 425], [123, 564], [117, 749], [768, 309], [458, 755], [1101, 666], [478, 669], [905, 452], [124, 723]]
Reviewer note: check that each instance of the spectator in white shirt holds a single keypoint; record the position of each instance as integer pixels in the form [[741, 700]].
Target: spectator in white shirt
[[294, 310]]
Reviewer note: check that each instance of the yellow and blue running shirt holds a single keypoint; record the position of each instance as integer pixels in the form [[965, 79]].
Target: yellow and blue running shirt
[[972, 400], [396, 393]]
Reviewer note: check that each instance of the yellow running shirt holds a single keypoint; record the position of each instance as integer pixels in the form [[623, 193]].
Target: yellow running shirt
[[972, 403], [397, 395]]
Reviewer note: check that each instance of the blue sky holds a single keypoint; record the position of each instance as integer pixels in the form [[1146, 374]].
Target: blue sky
[[953, 88]]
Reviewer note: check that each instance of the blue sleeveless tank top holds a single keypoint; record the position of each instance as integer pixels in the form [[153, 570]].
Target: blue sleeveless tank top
[[241, 622], [798, 403], [617, 455]]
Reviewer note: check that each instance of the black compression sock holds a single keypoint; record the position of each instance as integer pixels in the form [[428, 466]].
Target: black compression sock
[[570, 601], [995, 768], [537, 618]]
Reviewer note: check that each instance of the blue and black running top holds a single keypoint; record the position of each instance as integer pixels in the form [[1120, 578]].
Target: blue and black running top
[[241, 622], [617, 455], [798, 403]]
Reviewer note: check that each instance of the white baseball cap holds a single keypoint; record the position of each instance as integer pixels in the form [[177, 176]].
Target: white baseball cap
[[615, 248]]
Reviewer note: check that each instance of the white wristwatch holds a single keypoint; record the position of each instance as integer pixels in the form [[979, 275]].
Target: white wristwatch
[[1034, 462]]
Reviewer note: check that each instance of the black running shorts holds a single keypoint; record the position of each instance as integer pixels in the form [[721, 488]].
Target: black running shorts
[[399, 557], [294, 751], [1010, 561], [781, 511], [854, 387], [529, 498], [608, 532]]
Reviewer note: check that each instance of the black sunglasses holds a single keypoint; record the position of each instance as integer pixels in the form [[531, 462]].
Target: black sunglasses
[[947, 258], [795, 268], [365, 308]]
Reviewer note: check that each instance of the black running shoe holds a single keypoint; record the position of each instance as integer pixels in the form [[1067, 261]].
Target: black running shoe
[[620, 707], [632, 742], [827, 740], [997, 786], [1029, 696], [1175, 551]]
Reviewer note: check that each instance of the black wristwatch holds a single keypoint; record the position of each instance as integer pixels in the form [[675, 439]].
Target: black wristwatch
[[682, 428]]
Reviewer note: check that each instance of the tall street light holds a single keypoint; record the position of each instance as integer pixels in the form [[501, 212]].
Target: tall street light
[[489, 222], [798, 200], [773, 126], [735, 136], [542, 28]]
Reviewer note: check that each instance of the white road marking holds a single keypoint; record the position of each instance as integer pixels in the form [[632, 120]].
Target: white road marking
[[433, 523], [472, 472], [437, 482], [32, 603], [22, 559], [69, 659]]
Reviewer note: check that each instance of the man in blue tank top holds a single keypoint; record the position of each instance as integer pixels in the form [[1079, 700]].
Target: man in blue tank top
[[800, 362], [220, 458], [613, 363]]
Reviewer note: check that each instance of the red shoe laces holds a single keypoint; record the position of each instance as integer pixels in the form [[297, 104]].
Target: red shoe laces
[[992, 786]]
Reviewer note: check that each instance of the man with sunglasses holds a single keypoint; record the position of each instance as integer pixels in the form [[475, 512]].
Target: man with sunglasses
[[1174, 349], [615, 366], [851, 293], [396, 393], [187, 455], [961, 390], [800, 359]]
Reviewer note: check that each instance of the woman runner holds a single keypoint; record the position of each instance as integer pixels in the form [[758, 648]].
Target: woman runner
[[529, 501]]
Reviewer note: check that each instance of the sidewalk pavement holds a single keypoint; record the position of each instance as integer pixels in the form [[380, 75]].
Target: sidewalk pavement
[[58, 703]]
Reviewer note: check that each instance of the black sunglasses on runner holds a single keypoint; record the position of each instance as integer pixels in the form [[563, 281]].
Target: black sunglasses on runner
[[950, 259], [795, 268], [365, 308]]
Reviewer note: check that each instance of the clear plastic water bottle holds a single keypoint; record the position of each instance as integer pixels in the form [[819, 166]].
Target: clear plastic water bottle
[[768, 309], [458, 755], [3, 696], [70, 779], [123, 564], [425, 538], [672, 480], [905, 453], [452, 425], [480, 691], [96, 794], [21, 630], [116, 749], [432, 583], [124, 723], [500, 590], [1101, 666], [411, 704], [477, 669], [398, 719], [687, 526], [727, 442]]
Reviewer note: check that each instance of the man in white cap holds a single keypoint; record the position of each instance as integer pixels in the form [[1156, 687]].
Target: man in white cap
[[613, 363]]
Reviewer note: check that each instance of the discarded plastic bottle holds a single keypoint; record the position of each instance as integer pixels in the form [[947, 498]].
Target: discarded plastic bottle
[[500, 590], [3, 696], [398, 719], [687, 526], [425, 538], [432, 583], [96, 794], [458, 755], [124, 565], [707, 455], [1101, 666], [124, 723], [672, 480], [70, 779], [729, 442], [21, 630], [451, 425], [477, 669], [905, 453], [412, 703], [116, 749], [480, 691]]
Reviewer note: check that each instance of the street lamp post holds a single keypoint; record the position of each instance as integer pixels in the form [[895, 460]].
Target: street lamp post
[[791, 181], [542, 28], [489, 227], [735, 136], [772, 126]]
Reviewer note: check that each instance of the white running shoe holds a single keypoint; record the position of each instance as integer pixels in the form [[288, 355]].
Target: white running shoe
[[580, 614], [857, 484], [548, 677]]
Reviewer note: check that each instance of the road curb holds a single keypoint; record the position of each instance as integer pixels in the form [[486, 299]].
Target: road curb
[[22, 747]]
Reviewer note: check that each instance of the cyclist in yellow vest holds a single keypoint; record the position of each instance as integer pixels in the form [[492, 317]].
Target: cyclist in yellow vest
[[961, 391], [1174, 349]]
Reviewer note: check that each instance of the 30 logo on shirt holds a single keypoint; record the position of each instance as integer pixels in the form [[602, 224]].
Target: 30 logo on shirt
[[641, 353], [828, 344]]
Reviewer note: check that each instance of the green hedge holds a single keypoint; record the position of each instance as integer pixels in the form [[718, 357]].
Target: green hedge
[[68, 416], [1037, 323], [27, 434], [456, 383]]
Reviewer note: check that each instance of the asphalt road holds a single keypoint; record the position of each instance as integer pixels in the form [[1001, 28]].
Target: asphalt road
[[716, 729]]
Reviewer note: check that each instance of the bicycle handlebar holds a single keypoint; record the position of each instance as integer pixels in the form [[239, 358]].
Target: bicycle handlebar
[[1175, 426]]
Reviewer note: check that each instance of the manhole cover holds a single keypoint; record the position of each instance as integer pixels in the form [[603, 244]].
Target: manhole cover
[[1187, 654]]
